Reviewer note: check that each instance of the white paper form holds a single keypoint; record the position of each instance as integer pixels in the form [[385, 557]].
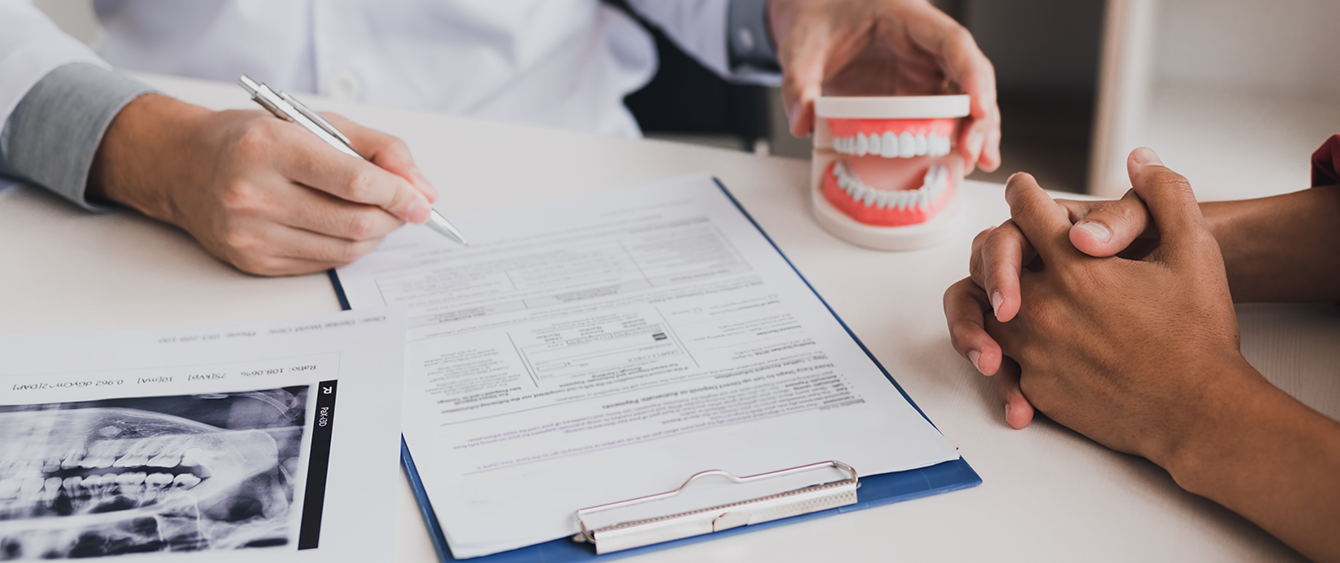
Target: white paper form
[[607, 348], [273, 441]]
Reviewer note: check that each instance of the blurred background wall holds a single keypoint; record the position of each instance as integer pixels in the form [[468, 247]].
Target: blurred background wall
[[1235, 94]]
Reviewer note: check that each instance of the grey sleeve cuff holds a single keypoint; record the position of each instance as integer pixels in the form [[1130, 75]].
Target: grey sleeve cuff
[[53, 133], [749, 39]]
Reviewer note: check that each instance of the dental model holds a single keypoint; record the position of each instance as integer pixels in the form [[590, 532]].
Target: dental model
[[884, 173]]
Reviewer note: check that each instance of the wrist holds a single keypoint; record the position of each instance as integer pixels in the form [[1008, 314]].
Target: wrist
[[151, 146], [1214, 429]]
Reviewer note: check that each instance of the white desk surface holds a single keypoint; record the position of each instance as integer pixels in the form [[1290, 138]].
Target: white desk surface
[[1048, 494]]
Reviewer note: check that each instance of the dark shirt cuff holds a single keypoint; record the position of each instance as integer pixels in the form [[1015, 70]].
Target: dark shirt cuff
[[52, 135], [749, 38]]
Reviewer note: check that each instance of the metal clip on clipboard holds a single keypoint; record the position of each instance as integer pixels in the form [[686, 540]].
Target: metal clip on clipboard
[[647, 531]]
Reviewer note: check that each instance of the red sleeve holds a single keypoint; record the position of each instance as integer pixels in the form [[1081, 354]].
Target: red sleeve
[[1324, 162]]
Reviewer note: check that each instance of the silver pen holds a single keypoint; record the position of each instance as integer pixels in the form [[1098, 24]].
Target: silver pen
[[288, 108]]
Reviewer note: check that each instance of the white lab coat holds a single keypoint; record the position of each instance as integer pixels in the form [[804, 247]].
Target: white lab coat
[[555, 63]]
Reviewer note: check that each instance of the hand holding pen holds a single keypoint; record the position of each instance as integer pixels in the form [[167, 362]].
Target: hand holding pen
[[258, 193], [288, 108]]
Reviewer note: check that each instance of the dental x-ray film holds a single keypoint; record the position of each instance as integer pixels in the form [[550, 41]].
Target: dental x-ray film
[[150, 474], [169, 459]]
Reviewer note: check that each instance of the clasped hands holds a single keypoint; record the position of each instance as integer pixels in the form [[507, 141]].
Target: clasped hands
[[1113, 318]]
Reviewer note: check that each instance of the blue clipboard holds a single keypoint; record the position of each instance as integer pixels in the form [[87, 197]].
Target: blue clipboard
[[876, 490]]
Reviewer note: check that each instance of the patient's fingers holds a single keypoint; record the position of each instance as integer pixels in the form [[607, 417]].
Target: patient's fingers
[[998, 263], [1172, 206], [1107, 228], [1044, 223], [1018, 411], [964, 304]]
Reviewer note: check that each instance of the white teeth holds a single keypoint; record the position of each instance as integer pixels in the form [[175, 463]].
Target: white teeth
[[131, 460], [130, 479], [158, 480], [185, 481], [31, 487], [941, 146], [907, 145], [933, 184], [71, 485], [72, 460], [92, 481], [51, 489], [164, 460], [888, 146], [193, 457]]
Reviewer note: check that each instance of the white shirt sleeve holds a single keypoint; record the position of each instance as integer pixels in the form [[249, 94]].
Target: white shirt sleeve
[[30, 47]]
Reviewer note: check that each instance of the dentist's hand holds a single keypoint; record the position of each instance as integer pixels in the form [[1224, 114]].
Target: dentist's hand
[[258, 192], [884, 48]]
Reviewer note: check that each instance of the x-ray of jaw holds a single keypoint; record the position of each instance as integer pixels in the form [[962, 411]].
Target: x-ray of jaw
[[97, 481]]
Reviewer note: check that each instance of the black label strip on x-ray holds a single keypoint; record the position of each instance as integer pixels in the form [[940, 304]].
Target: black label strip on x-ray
[[309, 532]]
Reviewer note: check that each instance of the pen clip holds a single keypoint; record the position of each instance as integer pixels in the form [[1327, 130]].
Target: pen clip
[[262, 95], [316, 118]]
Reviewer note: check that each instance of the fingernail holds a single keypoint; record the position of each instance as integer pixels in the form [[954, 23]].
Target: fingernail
[[417, 213], [996, 300], [973, 356], [1100, 232], [1145, 157]]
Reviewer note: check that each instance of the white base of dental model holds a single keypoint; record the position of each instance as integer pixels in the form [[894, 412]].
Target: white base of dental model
[[935, 231]]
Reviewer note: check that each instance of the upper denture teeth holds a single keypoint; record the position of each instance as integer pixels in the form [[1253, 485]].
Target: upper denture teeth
[[893, 145], [888, 145], [907, 145]]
